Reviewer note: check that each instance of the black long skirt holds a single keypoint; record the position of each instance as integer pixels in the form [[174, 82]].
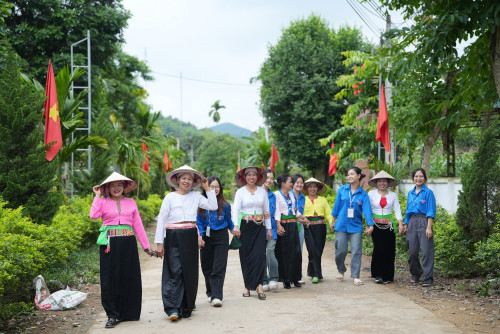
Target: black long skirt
[[384, 253], [253, 253], [179, 281], [288, 254], [121, 285], [315, 236]]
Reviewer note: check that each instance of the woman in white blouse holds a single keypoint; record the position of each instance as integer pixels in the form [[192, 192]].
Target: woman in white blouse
[[250, 205], [383, 202], [177, 238]]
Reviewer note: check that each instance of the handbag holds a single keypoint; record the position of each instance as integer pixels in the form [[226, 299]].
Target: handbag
[[235, 243]]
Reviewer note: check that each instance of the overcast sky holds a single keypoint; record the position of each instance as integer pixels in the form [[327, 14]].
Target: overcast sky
[[221, 44]]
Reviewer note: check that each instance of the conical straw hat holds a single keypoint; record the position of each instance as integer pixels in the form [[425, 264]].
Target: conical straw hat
[[129, 185], [173, 176], [321, 186], [240, 176], [382, 175]]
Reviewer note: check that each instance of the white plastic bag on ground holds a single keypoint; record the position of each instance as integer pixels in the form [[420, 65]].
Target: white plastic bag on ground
[[60, 300]]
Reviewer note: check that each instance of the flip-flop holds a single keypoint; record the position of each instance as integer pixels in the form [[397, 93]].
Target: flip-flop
[[246, 294], [358, 282], [340, 276], [261, 295], [414, 280]]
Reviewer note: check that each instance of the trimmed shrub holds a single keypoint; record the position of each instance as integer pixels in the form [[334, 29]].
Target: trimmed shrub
[[487, 255], [150, 208]]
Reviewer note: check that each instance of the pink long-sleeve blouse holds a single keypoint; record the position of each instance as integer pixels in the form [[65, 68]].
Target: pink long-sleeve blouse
[[107, 209]]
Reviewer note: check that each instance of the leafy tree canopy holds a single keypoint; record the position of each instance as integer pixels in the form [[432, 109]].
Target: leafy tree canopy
[[298, 86]]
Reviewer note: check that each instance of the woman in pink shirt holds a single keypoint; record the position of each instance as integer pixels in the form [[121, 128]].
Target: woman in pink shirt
[[121, 287]]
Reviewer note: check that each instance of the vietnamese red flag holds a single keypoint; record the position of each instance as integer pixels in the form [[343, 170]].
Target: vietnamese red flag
[[166, 162], [383, 122], [145, 166], [52, 119], [334, 158], [274, 157]]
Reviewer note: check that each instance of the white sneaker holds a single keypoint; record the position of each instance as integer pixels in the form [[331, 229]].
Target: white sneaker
[[266, 288], [302, 282], [216, 302], [209, 299], [273, 285]]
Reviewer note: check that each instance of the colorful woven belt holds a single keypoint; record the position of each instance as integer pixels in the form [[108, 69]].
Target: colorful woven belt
[[255, 218], [316, 220], [180, 226], [120, 233], [291, 220]]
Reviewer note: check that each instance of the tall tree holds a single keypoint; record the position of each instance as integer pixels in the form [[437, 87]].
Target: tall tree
[[298, 86], [38, 30], [26, 178], [214, 112]]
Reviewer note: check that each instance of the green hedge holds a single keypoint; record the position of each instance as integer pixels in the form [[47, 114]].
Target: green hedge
[[149, 209]]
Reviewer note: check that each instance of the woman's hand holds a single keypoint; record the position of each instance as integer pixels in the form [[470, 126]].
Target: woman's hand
[[280, 230], [201, 243], [97, 191], [332, 226], [369, 230], [269, 235], [306, 222], [159, 250], [267, 214], [428, 232], [236, 231], [402, 228], [204, 184]]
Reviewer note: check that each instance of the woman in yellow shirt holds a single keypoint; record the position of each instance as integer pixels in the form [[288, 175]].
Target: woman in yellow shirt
[[317, 212]]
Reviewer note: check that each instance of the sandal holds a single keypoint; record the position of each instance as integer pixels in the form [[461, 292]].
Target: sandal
[[414, 280], [340, 276], [427, 284], [261, 295], [246, 294], [358, 282]]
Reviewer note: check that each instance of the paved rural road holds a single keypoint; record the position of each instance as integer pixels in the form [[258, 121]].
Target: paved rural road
[[327, 307]]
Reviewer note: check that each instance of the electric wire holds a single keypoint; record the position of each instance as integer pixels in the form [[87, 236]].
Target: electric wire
[[206, 81], [362, 18], [360, 11]]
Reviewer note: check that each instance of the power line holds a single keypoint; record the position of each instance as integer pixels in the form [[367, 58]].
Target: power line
[[362, 18], [377, 13], [205, 81]]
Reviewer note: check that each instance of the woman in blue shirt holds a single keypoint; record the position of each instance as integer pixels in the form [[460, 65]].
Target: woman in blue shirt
[[300, 202], [351, 204], [420, 214], [213, 226], [271, 277]]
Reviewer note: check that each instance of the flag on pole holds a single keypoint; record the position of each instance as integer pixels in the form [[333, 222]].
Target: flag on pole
[[167, 162], [145, 165], [383, 122], [52, 119], [274, 157], [334, 158]]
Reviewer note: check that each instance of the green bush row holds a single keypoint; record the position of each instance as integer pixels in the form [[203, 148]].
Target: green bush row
[[455, 254], [28, 249]]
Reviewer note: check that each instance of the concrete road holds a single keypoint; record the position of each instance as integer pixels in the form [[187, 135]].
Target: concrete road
[[326, 307]]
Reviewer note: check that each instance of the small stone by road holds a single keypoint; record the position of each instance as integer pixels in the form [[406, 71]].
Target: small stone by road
[[326, 307]]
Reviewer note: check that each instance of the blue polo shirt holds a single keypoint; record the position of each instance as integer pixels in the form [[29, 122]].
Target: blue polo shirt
[[215, 221], [272, 209], [360, 202], [423, 202]]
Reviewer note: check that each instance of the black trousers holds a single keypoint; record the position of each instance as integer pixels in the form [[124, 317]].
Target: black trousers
[[121, 286], [179, 281], [253, 253], [315, 236], [288, 254], [214, 261], [384, 253]]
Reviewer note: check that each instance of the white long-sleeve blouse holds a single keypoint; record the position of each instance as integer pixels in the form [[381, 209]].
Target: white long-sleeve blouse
[[249, 203], [392, 204], [177, 208]]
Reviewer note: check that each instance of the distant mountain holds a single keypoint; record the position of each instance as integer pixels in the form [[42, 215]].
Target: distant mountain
[[231, 129]]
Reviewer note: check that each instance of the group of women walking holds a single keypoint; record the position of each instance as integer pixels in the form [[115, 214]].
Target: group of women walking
[[271, 227]]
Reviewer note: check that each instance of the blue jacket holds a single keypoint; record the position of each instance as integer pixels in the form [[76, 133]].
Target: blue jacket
[[300, 203], [272, 209], [215, 221], [423, 202], [361, 206]]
